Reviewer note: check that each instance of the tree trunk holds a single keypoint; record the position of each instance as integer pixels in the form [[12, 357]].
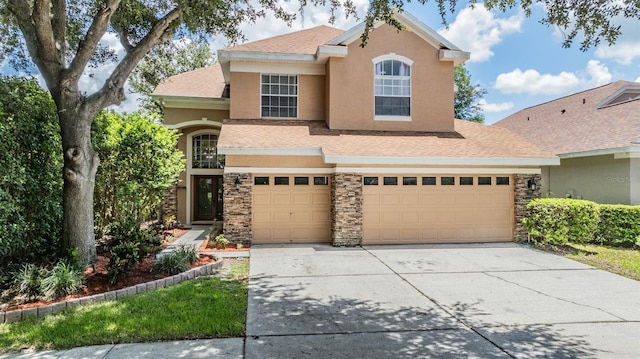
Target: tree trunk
[[79, 172]]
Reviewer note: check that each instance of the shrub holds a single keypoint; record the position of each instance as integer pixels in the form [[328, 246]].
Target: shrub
[[139, 161], [558, 220], [64, 279], [177, 261], [31, 180], [619, 225], [222, 240], [29, 280], [124, 257]]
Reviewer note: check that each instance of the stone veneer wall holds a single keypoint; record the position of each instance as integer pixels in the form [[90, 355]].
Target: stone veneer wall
[[170, 202], [522, 196], [346, 209], [237, 208]]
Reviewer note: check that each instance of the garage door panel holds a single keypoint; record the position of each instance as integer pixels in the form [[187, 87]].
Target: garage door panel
[[290, 213], [437, 213]]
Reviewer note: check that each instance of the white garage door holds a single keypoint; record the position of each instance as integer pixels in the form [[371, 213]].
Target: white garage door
[[291, 209], [437, 208]]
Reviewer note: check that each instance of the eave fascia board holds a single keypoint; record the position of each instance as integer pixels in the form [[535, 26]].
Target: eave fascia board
[[264, 56], [456, 56], [443, 161], [326, 51], [261, 151], [406, 19], [618, 152], [205, 103], [603, 103]]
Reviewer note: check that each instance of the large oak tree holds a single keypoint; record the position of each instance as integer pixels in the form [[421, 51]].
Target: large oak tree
[[62, 38]]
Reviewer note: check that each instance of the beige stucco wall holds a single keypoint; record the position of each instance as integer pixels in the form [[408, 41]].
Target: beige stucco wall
[[634, 180], [602, 179], [173, 116], [276, 161], [245, 96], [350, 91]]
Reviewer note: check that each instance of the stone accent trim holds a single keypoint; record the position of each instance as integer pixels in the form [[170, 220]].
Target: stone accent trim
[[170, 203], [346, 209], [237, 208], [55, 308], [522, 196]]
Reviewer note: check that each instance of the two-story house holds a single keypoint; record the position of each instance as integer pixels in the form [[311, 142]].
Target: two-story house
[[327, 141]]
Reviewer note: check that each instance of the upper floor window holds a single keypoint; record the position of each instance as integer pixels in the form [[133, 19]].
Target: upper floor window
[[205, 152], [279, 96], [392, 86]]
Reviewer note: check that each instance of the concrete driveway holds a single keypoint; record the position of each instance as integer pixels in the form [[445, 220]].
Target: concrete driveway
[[483, 301]]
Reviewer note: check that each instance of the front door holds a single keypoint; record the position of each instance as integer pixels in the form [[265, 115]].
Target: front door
[[208, 198]]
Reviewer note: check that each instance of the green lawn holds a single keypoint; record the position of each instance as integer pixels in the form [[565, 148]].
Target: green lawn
[[623, 261], [201, 308]]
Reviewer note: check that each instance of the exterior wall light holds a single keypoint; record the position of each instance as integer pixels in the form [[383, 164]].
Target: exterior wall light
[[531, 184], [237, 182]]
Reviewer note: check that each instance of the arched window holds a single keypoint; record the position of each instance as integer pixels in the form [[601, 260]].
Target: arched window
[[205, 152], [392, 86]]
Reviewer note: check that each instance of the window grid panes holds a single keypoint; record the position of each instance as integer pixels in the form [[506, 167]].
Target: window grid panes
[[370, 181], [279, 95], [261, 181], [390, 181], [321, 181], [392, 88], [409, 181], [466, 181], [484, 181], [502, 181], [447, 181], [205, 152], [281, 181], [428, 181], [301, 181]]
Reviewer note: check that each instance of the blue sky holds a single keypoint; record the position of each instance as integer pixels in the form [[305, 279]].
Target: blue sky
[[516, 59]]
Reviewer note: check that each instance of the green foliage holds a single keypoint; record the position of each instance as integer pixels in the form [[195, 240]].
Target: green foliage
[[466, 106], [177, 261], [558, 220], [64, 279], [29, 280], [123, 257], [139, 162], [221, 240], [31, 181], [165, 60], [619, 225]]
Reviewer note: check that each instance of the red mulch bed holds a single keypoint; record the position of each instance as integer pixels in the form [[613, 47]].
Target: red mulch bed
[[97, 282], [228, 248]]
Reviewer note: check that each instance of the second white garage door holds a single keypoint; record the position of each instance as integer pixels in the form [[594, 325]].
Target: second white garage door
[[291, 209], [437, 209]]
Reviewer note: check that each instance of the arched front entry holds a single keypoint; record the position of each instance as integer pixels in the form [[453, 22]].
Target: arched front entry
[[204, 177]]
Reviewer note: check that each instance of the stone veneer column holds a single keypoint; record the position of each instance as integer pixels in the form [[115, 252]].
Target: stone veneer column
[[522, 196], [170, 203], [237, 208], [346, 209]]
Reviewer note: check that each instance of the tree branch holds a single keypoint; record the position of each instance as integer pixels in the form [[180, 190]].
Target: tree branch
[[123, 35], [112, 91], [59, 24], [88, 45]]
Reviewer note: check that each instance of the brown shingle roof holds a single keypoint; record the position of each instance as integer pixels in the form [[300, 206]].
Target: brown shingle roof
[[303, 42], [205, 82], [574, 124], [471, 140]]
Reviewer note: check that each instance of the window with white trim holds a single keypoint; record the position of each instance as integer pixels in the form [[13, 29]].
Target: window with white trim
[[279, 96], [392, 88], [204, 152]]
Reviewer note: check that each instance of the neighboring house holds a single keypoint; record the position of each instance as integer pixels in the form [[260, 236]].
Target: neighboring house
[[596, 134], [328, 141]]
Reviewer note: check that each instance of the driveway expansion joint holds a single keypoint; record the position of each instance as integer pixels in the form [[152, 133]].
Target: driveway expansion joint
[[554, 297]]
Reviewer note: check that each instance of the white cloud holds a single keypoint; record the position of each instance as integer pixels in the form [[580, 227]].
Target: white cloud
[[638, 79], [477, 30], [598, 72], [623, 52], [532, 82], [495, 107]]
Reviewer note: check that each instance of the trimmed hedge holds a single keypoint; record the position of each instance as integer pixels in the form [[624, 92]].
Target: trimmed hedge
[[619, 225], [560, 220]]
